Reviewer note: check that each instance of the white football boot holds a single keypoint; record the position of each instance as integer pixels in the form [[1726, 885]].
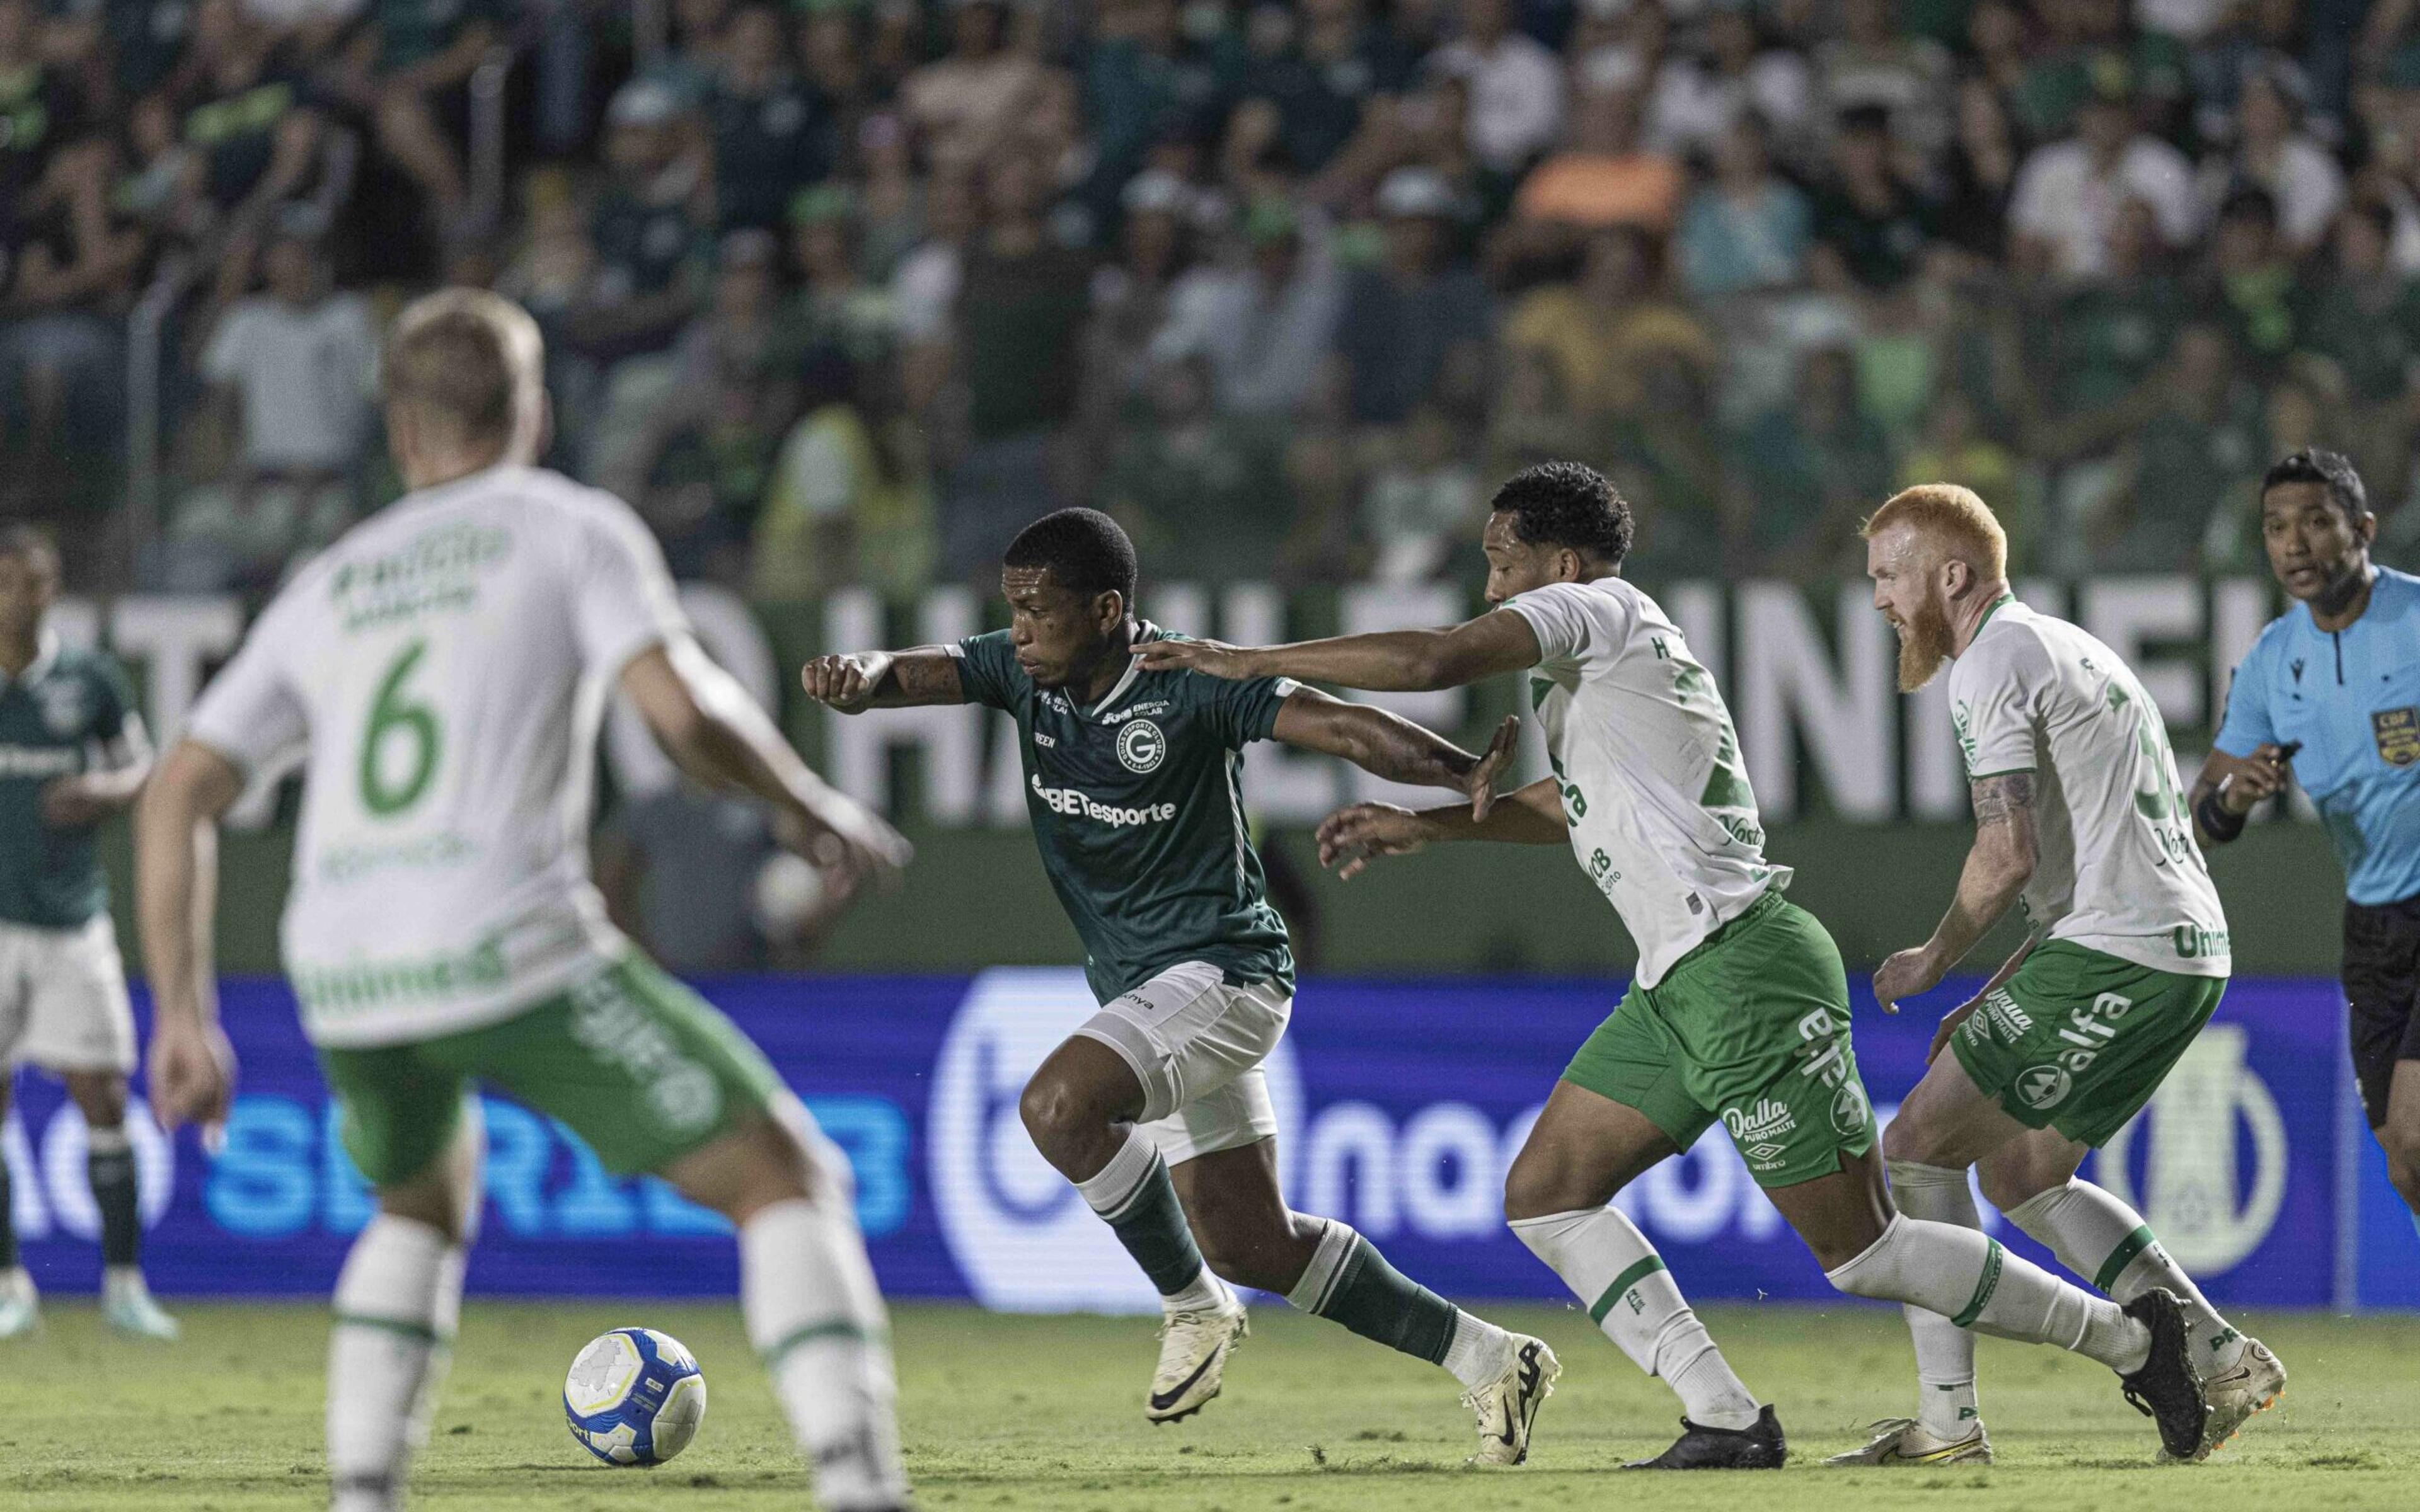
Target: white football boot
[[1903, 1440], [126, 1306], [1193, 1350], [21, 1308], [2236, 1396], [1507, 1405]]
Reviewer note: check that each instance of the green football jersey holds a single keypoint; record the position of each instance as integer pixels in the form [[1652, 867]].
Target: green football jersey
[[55, 721], [1137, 809]]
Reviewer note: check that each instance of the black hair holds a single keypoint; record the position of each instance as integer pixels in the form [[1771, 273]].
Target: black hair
[[2250, 203], [1566, 504], [1083, 548], [2314, 464]]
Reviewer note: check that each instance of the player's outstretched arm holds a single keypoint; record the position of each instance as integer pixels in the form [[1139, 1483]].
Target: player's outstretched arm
[[1389, 661], [2230, 787], [176, 901], [1998, 868], [1350, 838], [713, 731], [1392, 747], [884, 680], [111, 787]]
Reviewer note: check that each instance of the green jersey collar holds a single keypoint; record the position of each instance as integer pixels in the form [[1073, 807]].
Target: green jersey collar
[[1998, 604]]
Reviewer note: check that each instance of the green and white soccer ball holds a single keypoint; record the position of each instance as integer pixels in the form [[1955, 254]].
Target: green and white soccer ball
[[634, 1396]]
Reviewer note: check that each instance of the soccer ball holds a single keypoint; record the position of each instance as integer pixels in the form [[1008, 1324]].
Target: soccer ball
[[634, 1396]]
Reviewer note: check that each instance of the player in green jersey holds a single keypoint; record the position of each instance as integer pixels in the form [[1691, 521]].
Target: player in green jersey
[[2078, 823], [1157, 1108], [73, 753], [1740, 1009]]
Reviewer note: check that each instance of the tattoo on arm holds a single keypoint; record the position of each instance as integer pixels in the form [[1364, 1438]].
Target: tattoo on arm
[[1997, 799], [930, 677]]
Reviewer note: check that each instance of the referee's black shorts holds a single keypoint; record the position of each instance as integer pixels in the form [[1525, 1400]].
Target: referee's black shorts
[[2381, 981]]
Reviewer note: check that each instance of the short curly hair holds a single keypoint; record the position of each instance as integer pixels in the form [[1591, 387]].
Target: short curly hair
[[1567, 504], [1084, 549], [2334, 469]]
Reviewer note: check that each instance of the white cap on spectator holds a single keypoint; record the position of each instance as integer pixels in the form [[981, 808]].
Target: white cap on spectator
[[642, 102], [1415, 192], [1154, 192]]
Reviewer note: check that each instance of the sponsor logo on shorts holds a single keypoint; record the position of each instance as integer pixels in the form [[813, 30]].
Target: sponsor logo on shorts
[[1758, 1131], [1141, 746], [2041, 1087], [684, 1095], [2000, 1011]]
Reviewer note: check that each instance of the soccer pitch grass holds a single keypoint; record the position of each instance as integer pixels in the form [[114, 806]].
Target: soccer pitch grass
[[1044, 1414]]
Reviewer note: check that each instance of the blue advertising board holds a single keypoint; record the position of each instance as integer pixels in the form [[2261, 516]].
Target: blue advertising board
[[1403, 1103]]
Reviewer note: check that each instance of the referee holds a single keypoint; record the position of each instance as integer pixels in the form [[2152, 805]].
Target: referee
[[2332, 689]]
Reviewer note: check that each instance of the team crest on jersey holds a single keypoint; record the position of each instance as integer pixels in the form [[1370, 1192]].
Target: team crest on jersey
[[62, 704], [2044, 1086], [1141, 746], [2399, 735]]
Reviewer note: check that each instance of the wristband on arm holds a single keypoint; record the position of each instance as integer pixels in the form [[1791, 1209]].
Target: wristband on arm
[[2217, 820]]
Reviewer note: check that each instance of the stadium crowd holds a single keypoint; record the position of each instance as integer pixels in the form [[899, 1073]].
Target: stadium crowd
[[842, 293]]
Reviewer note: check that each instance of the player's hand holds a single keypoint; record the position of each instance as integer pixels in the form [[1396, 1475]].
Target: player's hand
[[1905, 975], [1481, 784], [1215, 658], [1350, 838], [846, 685], [851, 845], [192, 1074], [67, 803], [1950, 1022], [2256, 777]]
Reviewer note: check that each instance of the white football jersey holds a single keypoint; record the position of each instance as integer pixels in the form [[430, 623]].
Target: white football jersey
[[1661, 817], [447, 662], [2117, 868]]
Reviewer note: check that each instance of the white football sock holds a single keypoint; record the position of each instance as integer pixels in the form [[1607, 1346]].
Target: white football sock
[[1611, 1267], [2098, 1237], [398, 1299], [815, 1317], [1945, 1403], [1978, 1285], [1481, 1352]]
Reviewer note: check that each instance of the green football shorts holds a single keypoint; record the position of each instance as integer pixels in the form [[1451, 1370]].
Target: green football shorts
[[1752, 1028], [2078, 1040], [635, 1063]]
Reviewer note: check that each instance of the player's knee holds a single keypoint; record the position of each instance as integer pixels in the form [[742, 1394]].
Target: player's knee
[[1907, 1138], [2011, 1185], [1056, 1114], [1544, 1179]]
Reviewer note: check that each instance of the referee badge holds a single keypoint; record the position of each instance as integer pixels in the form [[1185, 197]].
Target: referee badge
[[2399, 735]]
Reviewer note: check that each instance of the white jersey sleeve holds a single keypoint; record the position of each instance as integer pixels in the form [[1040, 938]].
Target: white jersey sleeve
[[251, 712], [623, 598], [1995, 693], [1576, 623]]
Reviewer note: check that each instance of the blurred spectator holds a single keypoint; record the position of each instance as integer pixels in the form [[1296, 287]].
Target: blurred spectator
[[1603, 178], [1534, 419], [1515, 87], [2273, 156], [1872, 227], [1982, 174], [1746, 229], [1321, 70], [1602, 330], [402, 70], [1264, 326], [1021, 322], [68, 263], [648, 225], [1131, 296], [1807, 470], [1416, 326], [1698, 100], [762, 120], [1955, 449], [1666, 457], [40, 104], [2365, 320], [1192, 485], [1873, 66], [2069, 193], [1423, 498], [2198, 456], [1143, 78], [835, 308], [850, 501], [2091, 47], [2099, 340], [293, 377], [840, 87], [967, 102], [2251, 286]]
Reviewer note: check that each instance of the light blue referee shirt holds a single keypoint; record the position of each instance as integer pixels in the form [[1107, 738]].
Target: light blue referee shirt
[[2353, 698]]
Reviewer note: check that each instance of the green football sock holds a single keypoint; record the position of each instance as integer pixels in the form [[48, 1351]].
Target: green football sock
[[109, 1165], [1134, 1198], [1349, 1282]]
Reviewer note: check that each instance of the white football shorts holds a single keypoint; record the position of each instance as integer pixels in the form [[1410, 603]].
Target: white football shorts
[[1196, 1042]]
